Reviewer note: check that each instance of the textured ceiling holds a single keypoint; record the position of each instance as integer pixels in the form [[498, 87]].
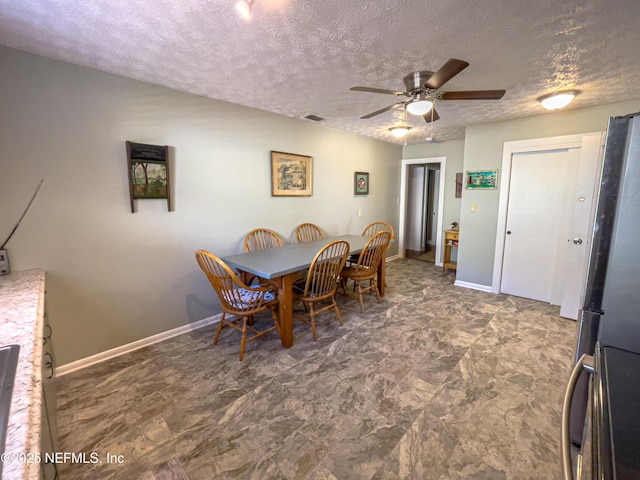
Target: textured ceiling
[[300, 57]]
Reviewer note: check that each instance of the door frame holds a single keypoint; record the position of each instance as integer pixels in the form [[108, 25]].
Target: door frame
[[403, 202], [522, 146]]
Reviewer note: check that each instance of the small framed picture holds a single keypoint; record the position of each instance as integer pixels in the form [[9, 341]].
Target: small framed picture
[[482, 180], [361, 183], [291, 175]]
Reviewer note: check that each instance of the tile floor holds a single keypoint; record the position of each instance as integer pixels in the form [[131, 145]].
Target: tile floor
[[437, 382]]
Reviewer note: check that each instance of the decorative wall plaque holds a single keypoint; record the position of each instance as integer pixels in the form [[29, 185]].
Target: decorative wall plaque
[[148, 172]]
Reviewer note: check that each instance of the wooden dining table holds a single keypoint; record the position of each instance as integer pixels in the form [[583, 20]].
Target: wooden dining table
[[281, 266]]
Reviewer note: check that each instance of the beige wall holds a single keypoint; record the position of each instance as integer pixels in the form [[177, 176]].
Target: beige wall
[[483, 150], [114, 277]]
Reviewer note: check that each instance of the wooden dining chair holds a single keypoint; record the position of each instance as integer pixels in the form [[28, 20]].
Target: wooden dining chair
[[308, 232], [376, 227], [366, 268], [370, 231], [261, 239], [256, 240], [321, 282], [237, 299]]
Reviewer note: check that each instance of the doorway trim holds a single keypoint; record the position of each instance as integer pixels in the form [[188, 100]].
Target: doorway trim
[[403, 202], [520, 146]]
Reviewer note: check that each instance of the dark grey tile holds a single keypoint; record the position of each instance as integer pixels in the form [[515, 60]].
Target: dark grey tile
[[435, 382]]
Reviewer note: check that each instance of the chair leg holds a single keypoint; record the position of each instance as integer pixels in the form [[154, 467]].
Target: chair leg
[[360, 298], [215, 340], [377, 291], [337, 310], [343, 284], [243, 340], [313, 322], [276, 320]]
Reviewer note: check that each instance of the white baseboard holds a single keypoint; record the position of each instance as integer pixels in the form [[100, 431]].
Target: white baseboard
[[474, 286], [130, 347]]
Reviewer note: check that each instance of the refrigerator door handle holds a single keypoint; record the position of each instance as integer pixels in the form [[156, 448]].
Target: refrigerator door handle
[[585, 362]]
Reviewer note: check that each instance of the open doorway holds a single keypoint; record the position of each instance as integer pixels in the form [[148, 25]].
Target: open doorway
[[431, 217], [422, 215], [421, 208]]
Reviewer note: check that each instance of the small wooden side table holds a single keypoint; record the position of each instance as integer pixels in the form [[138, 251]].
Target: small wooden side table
[[450, 242]]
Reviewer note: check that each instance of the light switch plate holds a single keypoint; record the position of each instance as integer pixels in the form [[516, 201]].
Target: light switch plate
[[4, 263]]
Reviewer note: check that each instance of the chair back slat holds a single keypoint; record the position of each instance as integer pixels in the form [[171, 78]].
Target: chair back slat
[[377, 227], [372, 254], [308, 232], [235, 297], [324, 272], [261, 239]]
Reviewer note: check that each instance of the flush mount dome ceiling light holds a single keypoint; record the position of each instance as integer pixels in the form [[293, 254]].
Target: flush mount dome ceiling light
[[558, 100], [244, 8], [419, 105], [399, 131]]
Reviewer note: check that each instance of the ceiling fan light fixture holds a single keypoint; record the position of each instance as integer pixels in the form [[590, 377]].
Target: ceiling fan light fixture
[[400, 131], [558, 100], [419, 106], [244, 8]]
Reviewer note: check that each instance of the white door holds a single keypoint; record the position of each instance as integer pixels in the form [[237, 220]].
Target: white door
[[436, 196], [579, 238], [538, 223], [415, 210]]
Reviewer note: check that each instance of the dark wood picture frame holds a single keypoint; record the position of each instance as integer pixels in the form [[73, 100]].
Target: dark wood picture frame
[[149, 173], [361, 183], [459, 185]]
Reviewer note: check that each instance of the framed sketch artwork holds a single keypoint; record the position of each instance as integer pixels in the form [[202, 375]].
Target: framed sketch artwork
[[291, 175], [361, 183]]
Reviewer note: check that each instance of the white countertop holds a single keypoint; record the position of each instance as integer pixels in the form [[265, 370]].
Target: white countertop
[[21, 322]]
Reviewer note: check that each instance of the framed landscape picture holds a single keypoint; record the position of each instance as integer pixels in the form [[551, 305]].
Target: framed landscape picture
[[482, 180], [291, 175], [148, 172], [361, 183]]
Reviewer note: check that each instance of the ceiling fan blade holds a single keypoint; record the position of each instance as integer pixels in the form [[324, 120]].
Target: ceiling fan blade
[[427, 116], [474, 95], [376, 90], [446, 73], [382, 110]]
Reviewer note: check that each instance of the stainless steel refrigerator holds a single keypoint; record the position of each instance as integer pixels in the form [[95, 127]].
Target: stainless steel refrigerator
[[605, 394]]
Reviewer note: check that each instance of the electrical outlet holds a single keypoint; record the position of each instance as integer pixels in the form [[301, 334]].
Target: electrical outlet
[[4, 263]]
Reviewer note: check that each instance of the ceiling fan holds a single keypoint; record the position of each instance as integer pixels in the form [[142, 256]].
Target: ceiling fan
[[423, 90]]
